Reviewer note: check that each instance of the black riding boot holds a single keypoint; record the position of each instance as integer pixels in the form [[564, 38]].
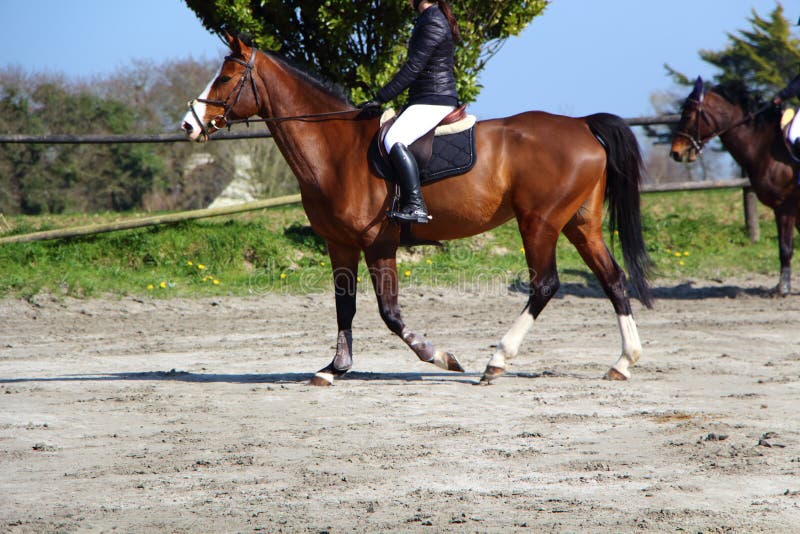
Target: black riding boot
[[796, 154], [412, 207]]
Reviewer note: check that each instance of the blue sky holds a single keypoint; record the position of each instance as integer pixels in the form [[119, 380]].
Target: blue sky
[[580, 57]]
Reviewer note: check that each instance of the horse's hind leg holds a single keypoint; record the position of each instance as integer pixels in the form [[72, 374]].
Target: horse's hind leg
[[587, 237], [344, 261], [383, 271], [539, 240]]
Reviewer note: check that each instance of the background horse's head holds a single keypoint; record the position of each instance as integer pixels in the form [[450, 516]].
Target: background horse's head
[[694, 127], [230, 95]]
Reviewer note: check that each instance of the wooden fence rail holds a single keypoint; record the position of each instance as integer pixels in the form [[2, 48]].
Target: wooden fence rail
[[124, 138], [750, 201], [150, 221], [219, 136]]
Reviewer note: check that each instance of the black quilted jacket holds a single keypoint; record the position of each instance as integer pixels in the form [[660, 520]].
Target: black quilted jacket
[[791, 90], [428, 70]]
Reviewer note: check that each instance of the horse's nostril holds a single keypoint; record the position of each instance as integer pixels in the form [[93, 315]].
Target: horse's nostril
[[186, 127]]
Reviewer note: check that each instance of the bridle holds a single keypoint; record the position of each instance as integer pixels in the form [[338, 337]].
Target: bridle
[[699, 142], [222, 120], [219, 121]]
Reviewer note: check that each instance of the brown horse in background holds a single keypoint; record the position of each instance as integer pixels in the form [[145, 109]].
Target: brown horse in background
[[751, 133], [550, 172]]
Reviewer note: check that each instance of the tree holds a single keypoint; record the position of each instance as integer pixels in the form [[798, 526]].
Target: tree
[[51, 179], [142, 98], [765, 58], [360, 45]]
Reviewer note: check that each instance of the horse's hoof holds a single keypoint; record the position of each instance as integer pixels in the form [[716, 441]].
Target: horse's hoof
[[613, 374], [781, 290], [452, 363], [446, 361], [320, 381], [491, 373]]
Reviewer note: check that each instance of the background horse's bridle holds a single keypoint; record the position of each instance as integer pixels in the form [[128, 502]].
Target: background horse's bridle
[[699, 142], [222, 120]]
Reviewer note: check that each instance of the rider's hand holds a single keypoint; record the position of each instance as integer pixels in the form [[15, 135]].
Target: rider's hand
[[777, 101], [370, 104], [369, 109]]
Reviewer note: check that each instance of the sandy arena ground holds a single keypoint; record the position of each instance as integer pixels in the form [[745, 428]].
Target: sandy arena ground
[[193, 416]]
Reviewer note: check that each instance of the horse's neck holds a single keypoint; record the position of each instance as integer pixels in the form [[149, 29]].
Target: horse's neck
[[749, 143], [305, 144]]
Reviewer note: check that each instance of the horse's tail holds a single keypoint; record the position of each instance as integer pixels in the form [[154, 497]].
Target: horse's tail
[[624, 173]]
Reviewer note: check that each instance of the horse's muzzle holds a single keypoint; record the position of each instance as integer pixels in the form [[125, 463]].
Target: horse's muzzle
[[682, 152], [191, 134]]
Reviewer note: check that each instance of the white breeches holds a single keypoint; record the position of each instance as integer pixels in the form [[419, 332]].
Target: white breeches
[[413, 123], [794, 129]]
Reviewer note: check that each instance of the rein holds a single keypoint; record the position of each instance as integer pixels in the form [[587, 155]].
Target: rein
[[227, 105], [699, 142], [293, 117]]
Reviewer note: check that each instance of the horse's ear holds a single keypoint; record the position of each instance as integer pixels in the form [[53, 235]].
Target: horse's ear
[[234, 42], [697, 92], [230, 39]]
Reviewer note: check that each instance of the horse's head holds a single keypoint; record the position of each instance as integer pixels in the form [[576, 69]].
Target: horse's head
[[694, 129], [230, 95]]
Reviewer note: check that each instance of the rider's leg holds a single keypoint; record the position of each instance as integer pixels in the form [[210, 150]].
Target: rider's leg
[[794, 134], [414, 122], [412, 208]]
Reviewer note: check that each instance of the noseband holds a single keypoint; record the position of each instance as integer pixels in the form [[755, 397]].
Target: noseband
[[221, 120]]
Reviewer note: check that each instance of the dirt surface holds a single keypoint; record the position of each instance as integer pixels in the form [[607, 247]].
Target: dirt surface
[[193, 415]]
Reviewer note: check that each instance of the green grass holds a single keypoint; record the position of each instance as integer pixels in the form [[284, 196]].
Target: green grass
[[689, 235]]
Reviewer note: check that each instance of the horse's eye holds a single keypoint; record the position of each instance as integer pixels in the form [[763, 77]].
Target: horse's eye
[[224, 79]]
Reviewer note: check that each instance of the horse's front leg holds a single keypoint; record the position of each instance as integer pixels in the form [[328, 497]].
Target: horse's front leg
[[786, 222], [383, 271], [344, 261]]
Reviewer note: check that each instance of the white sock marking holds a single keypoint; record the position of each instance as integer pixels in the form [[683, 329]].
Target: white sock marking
[[631, 346], [509, 345]]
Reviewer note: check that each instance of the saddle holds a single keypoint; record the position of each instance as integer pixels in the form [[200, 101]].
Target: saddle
[[447, 150]]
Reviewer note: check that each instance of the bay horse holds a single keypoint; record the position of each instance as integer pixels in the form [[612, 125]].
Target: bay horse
[[550, 172], [751, 133]]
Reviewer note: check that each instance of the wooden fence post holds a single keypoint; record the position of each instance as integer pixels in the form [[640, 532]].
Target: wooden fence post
[[750, 211], [751, 214]]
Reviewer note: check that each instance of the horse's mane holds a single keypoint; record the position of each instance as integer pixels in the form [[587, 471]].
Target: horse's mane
[[737, 94], [308, 74]]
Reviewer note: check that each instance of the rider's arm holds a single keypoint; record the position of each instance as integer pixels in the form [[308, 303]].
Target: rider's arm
[[791, 90], [426, 38]]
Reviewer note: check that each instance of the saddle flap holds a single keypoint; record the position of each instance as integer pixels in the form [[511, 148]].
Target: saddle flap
[[447, 150]]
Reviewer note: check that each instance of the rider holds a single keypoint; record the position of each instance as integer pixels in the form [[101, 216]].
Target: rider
[[790, 91], [429, 75]]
